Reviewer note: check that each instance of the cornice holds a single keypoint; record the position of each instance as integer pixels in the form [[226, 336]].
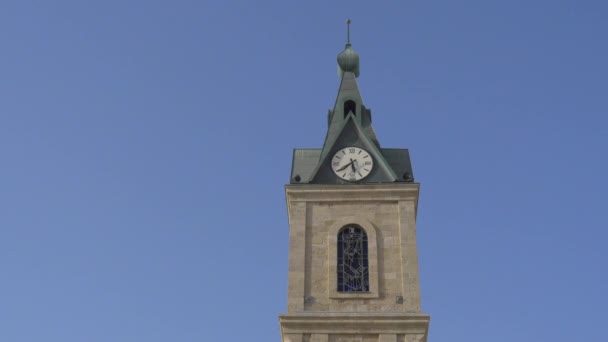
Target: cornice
[[391, 192], [343, 323]]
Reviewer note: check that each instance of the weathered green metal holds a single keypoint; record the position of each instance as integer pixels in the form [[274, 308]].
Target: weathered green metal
[[348, 61], [350, 125]]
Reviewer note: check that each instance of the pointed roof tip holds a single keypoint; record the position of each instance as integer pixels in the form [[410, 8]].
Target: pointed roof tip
[[348, 60], [348, 32]]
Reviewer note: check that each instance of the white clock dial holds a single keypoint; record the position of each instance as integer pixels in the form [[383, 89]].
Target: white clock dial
[[352, 163]]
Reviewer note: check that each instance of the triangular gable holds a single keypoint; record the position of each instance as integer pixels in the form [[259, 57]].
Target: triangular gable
[[351, 134]]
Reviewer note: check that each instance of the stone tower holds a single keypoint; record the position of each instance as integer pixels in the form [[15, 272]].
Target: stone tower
[[353, 261]]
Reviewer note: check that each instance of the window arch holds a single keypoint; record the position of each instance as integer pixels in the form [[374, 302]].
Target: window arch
[[350, 106], [353, 260]]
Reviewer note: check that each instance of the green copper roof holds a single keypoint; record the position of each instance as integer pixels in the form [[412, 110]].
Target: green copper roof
[[349, 91], [350, 125]]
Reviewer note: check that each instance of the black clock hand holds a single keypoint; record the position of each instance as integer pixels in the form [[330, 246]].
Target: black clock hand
[[345, 166], [352, 165]]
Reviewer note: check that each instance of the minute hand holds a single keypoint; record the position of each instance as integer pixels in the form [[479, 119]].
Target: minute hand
[[345, 166]]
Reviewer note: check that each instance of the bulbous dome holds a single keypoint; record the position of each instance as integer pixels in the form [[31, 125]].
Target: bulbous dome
[[348, 60]]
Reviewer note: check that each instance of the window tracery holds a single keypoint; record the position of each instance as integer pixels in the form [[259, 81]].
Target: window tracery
[[353, 263]]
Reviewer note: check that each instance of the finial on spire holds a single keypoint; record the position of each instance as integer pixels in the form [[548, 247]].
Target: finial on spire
[[348, 60], [347, 31]]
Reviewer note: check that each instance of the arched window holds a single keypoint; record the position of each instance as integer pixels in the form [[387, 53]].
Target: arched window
[[350, 106], [353, 264]]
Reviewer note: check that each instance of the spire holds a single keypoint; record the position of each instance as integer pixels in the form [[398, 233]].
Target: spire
[[348, 31], [350, 127], [348, 60]]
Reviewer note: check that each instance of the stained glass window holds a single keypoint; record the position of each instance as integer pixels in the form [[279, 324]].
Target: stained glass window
[[353, 265]]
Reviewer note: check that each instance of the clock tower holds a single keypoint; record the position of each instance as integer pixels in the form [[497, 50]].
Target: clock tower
[[353, 260]]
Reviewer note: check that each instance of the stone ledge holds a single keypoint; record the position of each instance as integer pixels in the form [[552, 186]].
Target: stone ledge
[[355, 323], [352, 193]]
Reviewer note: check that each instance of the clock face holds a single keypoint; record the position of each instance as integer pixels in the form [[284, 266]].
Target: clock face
[[352, 163]]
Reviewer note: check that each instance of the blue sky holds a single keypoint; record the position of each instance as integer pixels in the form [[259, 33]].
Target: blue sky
[[144, 147]]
